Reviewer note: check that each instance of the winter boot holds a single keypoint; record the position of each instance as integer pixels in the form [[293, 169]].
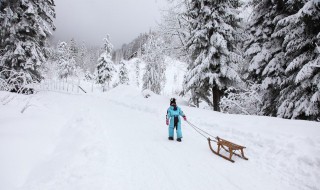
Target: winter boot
[[170, 138], [179, 139]]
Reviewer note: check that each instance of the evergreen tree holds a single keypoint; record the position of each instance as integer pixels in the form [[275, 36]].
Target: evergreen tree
[[264, 53], [123, 74], [82, 56], [74, 51], [66, 62], [214, 34], [154, 76], [25, 27], [105, 67], [138, 72], [300, 91]]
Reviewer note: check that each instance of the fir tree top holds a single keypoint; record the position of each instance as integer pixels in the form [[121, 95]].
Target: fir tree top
[[108, 47]]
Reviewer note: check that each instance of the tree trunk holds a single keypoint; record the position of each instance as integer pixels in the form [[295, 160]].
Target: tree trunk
[[197, 102], [216, 95]]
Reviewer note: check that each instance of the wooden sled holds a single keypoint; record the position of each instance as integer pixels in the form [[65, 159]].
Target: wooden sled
[[229, 147]]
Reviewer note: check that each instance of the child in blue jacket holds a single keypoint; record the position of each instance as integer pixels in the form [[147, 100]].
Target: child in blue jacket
[[173, 114]]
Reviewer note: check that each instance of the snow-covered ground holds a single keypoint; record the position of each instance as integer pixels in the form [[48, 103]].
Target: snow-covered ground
[[118, 140]]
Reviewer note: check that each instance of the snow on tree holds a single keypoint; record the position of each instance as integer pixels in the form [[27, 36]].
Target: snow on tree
[[174, 29], [25, 27], [82, 53], [123, 74], [91, 58], [73, 48], [154, 76], [66, 62], [300, 91], [137, 69], [245, 100], [214, 34], [264, 53], [88, 76], [105, 67], [74, 51], [131, 50]]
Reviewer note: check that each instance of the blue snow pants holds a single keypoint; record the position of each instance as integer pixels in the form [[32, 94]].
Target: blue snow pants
[[173, 115]]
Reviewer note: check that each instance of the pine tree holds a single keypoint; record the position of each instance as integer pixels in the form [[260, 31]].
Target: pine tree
[[300, 91], [74, 51], [105, 67], [25, 27], [264, 53], [154, 76], [214, 34], [138, 72], [66, 62], [82, 56], [123, 74]]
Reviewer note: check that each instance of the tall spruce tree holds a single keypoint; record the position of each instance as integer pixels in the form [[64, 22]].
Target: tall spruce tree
[[123, 74], [25, 27], [74, 51], [300, 91], [264, 52], [212, 44], [105, 67]]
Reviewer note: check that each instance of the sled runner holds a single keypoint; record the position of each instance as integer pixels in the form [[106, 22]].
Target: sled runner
[[228, 147]]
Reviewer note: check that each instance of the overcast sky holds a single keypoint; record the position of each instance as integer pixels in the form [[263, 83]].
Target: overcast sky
[[92, 20]]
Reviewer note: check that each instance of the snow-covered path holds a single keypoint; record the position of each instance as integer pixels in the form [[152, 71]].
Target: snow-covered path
[[119, 141]]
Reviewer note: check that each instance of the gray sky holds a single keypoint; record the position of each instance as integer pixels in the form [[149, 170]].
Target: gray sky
[[91, 20]]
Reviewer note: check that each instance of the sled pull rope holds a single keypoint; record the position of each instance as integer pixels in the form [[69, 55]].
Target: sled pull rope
[[202, 132]]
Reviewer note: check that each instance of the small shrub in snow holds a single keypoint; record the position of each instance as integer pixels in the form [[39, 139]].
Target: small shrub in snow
[[242, 101], [147, 93], [88, 76], [13, 81], [115, 84]]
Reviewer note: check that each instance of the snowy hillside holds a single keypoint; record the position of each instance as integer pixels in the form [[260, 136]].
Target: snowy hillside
[[118, 140]]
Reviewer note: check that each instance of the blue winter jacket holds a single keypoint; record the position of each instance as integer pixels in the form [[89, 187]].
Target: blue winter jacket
[[172, 113]]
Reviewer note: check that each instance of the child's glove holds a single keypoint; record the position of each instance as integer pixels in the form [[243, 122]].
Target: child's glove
[[185, 118], [167, 122]]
